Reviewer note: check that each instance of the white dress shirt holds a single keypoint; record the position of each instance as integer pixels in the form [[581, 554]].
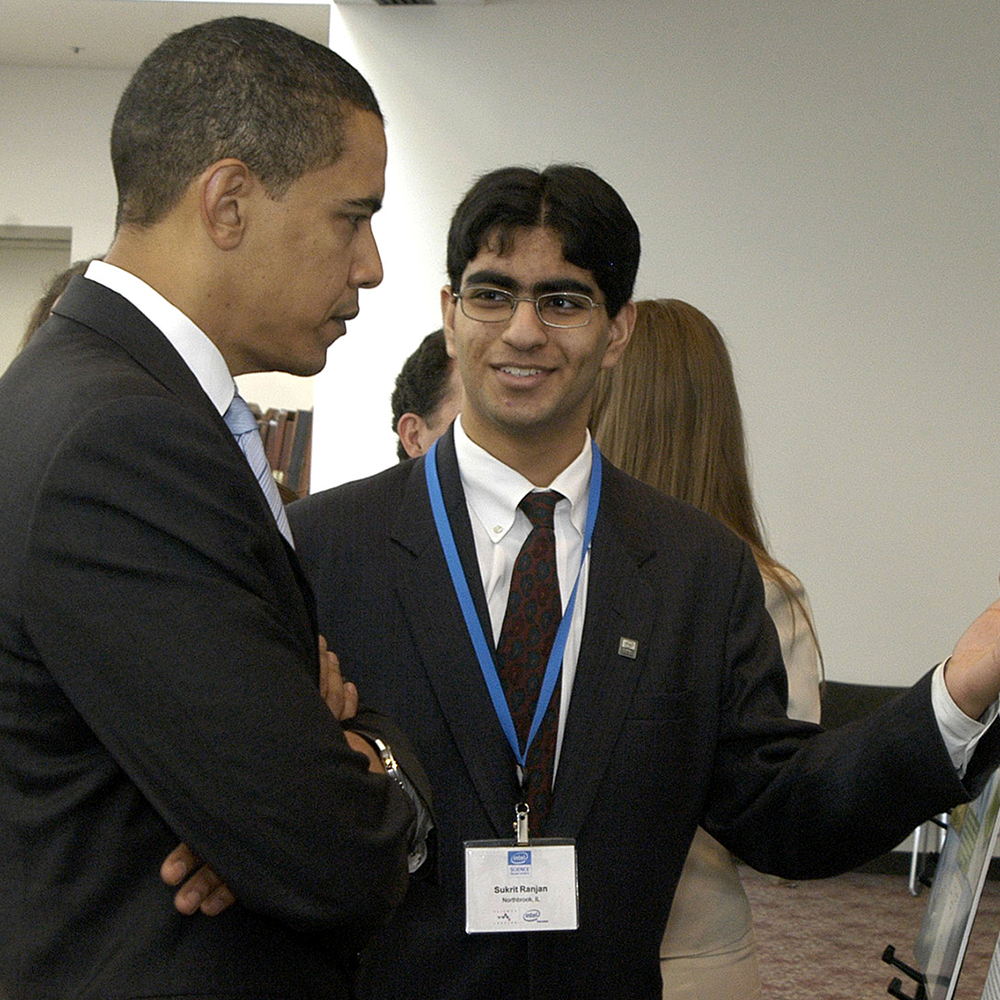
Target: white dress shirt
[[492, 492], [196, 350]]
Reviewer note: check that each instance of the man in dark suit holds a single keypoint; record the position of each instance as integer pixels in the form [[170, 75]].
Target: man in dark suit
[[159, 664], [426, 398], [669, 710]]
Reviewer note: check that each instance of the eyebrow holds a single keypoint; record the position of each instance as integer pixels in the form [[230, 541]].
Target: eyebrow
[[498, 279]]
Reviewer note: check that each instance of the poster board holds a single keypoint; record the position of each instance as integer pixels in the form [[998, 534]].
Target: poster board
[[991, 991], [954, 897]]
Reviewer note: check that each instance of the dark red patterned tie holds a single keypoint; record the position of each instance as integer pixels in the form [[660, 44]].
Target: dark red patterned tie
[[534, 610]]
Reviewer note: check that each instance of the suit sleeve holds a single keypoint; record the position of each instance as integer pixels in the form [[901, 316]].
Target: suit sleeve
[[314, 540], [166, 608], [791, 799]]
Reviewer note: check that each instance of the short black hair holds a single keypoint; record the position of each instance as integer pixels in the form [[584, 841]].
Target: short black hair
[[237, 86], [595, 226], [422, 382]]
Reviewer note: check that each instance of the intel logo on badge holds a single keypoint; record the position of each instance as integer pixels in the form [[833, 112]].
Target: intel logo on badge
[[531, 915], [519, 862]]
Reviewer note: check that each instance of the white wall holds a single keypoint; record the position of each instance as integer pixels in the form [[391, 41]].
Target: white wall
[[27, 268], [820, 178], [55, 130]]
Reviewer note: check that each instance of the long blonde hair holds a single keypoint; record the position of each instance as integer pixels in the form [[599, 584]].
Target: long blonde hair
[[668, 414]]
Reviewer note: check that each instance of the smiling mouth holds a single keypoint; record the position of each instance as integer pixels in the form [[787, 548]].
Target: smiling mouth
[[519, 372]]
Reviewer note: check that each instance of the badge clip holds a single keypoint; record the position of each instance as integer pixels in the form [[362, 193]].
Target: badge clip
[[521, 811]]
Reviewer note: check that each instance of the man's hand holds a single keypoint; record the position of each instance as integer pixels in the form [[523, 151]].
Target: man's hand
[[972, 675], [340, 696], [203, 890]]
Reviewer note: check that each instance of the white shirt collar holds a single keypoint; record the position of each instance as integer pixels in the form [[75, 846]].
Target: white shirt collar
[[197, 351], [493, 490]]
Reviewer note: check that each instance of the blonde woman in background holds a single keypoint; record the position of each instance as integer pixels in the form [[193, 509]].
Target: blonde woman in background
[[668, 414]]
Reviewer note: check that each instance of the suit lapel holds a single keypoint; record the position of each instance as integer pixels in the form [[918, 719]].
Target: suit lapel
[[619, 607], [114, 317], [436, 623]]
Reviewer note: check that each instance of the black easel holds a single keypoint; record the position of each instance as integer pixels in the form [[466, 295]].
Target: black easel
[[896, 986]]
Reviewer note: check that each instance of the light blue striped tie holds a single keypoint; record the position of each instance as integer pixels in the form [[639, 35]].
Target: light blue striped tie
[[241, 421]]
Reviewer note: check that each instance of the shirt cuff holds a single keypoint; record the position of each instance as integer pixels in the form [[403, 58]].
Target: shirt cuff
[[959, 732]]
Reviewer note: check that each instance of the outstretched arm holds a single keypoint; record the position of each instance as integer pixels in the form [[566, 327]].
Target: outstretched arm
[[972, 675]]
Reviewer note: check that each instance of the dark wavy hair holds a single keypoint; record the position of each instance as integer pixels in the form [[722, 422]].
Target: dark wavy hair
[[422, 382]]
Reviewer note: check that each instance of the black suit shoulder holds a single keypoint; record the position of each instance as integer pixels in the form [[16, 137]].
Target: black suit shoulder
[[374, 496], [640, 511], [349, 518], [668, 545]]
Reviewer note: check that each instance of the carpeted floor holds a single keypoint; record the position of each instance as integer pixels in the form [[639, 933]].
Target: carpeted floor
[[824, 940]]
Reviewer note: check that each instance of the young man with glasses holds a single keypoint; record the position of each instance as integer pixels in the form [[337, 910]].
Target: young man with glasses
[[568, 784]]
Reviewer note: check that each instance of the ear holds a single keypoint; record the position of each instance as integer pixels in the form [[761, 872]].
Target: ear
[[409, 428], [619, 334], [225, 189], [448, 303]]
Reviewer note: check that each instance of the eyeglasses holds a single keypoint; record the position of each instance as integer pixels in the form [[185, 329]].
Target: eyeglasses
[[564, 310]]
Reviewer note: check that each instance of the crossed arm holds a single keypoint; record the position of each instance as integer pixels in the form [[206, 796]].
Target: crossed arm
[[203, 890]]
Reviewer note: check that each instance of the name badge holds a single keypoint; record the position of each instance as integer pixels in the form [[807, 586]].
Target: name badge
[[520, 887]]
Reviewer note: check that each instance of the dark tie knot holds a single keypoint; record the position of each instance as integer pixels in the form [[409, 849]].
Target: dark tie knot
[[540, 507]]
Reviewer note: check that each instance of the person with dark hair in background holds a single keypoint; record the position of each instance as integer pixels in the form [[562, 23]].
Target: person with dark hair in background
[[668, 413], [580, 658], [161, 675], [55, 288], [426, 398]]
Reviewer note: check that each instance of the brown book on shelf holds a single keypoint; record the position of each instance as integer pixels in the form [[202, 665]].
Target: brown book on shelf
[[287, 442], [298, 461], [264, 419], [275, 434], [304, 481]]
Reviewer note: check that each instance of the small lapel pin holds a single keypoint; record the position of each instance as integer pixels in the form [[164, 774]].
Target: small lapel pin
[[628, 647]]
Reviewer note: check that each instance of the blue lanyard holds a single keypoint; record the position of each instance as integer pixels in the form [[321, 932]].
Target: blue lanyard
[[472, 622]]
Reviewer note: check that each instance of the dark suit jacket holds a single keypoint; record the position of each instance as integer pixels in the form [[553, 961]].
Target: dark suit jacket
[[691, 731], [158, 682]]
